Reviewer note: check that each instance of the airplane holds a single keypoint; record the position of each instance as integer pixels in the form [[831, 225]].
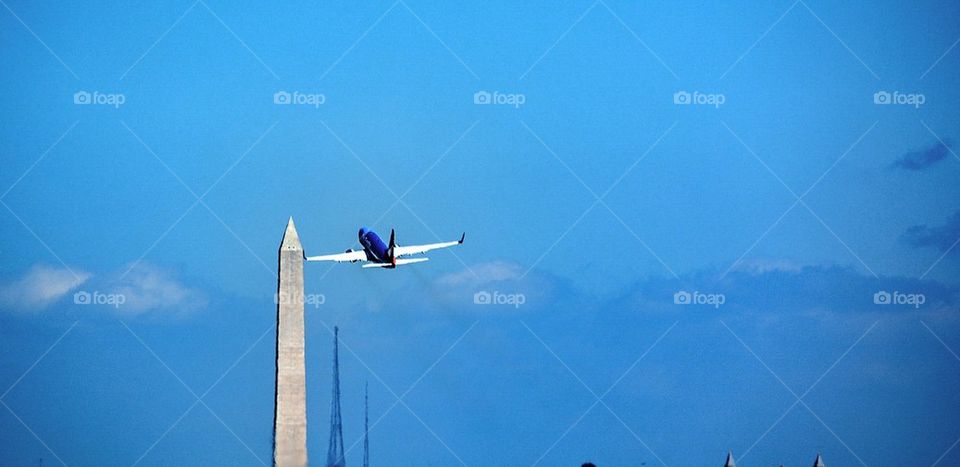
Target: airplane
[[380, 255]]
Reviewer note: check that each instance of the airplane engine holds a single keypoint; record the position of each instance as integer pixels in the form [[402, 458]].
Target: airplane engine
[[350, 250]]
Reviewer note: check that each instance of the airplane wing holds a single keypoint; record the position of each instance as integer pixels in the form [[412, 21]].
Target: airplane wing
[[349, 256], [399, 251], [399, 262]]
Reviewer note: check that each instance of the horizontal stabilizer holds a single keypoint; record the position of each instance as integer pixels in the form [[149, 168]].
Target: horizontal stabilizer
[[399, 262]]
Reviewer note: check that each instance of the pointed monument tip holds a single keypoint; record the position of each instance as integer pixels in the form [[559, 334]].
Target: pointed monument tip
[[730, 462], [291, 240]]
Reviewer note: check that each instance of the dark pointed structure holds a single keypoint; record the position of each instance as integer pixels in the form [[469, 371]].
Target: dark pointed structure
[[366, 427], [335, 449], [819, 461], [730, 462]]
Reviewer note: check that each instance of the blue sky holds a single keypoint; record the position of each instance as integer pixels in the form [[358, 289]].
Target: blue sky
[[598, 199]]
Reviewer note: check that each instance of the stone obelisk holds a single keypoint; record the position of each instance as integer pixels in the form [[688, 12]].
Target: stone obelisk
[[290, 409]]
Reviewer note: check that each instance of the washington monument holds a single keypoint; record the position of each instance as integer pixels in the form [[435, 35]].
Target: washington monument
[[290, 409]]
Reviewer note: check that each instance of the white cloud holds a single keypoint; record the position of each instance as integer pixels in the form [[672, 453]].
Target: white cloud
[[763, 266], [494, 271], [40, 287], [496, 278], [146, 287]]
